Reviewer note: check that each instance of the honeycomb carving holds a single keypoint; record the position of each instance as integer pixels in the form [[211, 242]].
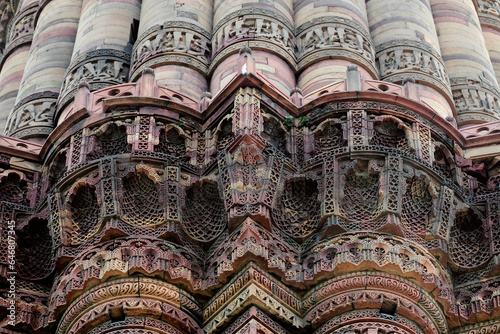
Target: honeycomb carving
[[469, 245], [389, 134], [171, 143], [204, 218], [417, 205], [361, 193], [274, 133], [298, 214], [140, 201], [35, 257], [330, 138], [112, 142], [13, 189], [85, 213]]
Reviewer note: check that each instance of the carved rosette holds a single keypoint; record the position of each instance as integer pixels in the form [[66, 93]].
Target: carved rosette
[[257, 28], [99, 68], [475, 100], [33, 116], [174, 42], [399, 59], [331, 36]]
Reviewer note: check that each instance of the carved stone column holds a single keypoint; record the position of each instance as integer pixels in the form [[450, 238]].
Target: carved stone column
[[473, 82], [174, 40], [14, 58], [101, 55], [407, 46], [335, 33], [50, 54], [266, 29]]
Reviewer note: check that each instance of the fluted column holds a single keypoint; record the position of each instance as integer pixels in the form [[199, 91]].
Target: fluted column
[[174, 41], [489, 17], [407, 45], [473, 81], [15, 55], [50, 55], [102, 51], [331, 35], [267, 28]]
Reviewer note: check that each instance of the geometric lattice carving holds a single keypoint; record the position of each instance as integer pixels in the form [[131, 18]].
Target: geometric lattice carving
[[441, 163], [331, 137], [58, 167], [204, 217], [13, 189], [84, 212], [34, 255], [361, 194], [113, 141], [388, 134], [299, 212], [274, 133], [469, 245], [225, 135], [417, 204], [140, 201], [171, 143]]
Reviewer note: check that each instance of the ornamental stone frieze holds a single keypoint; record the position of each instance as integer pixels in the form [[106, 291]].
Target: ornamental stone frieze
[[21, 28], [99, 68], [169, 43], [476, 99], [325, 37], [489, 12], [257, 25], [398, 59]]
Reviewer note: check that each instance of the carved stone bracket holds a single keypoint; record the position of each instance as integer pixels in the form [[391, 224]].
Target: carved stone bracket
[[444, 213]]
